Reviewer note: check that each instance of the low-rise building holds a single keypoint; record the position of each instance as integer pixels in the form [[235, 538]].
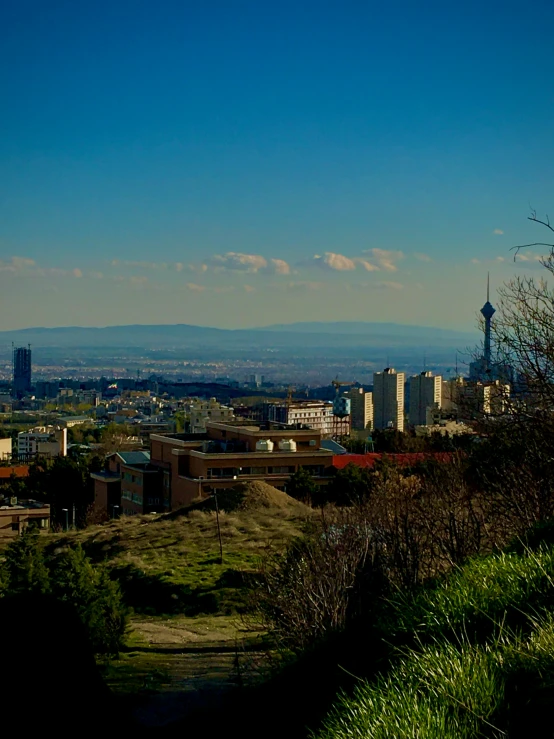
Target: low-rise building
[[195, 467], [16, 516], [5, 449], [108, 482], [43, 441], [314, 414], [201, 411]]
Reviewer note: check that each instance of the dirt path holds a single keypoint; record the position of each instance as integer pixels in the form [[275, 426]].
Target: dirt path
[[177, 665]]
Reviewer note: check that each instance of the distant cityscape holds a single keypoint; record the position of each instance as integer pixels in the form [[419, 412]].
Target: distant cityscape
[[163, 403]]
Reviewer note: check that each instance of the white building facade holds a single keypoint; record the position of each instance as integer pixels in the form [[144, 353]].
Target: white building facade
[[425, 392], [362, 408], [388, 399]]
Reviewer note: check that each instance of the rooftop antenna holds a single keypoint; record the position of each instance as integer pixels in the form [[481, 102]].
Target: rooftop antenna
[[488, 285], [424, 361], [456, 363]]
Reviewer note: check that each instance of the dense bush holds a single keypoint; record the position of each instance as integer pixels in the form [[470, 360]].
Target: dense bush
[[72, 578]]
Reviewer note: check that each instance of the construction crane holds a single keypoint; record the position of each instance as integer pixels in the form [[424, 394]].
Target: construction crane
[[337, 384]]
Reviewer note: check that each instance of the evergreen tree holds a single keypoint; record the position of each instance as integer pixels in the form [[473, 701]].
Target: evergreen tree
[[98, 599], [24, 569], [302, 486]]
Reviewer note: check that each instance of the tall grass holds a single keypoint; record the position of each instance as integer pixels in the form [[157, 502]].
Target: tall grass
[[480, 660], [499, 590]]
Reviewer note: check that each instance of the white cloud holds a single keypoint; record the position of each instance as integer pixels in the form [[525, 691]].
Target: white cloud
[[16, 264], [239, 262], [233, 261], [498, 232], [341, 263], [76, 272], [475, 261], [280, 267], [249, 289], [529, 257], [194, 287], [337, 261], [422, 257], [368, 266], [386, 258]]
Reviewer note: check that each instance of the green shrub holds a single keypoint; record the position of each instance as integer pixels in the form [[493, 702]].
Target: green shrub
[[97, 599], [69, 577]]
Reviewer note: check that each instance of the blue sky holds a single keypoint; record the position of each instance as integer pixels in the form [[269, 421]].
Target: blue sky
[[243, 163]]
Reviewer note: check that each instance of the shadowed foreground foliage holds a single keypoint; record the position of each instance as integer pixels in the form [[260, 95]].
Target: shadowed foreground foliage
[[68, 577]]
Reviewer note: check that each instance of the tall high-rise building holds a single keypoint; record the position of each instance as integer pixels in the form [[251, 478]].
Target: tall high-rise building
[[425, 392], [21, 370], [362, 408], [388, 399]]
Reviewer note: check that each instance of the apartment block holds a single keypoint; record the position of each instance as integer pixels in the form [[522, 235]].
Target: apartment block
[[45, 441], [312, 413], [425, 392], [201, 411], [388, 399], [361, 408]]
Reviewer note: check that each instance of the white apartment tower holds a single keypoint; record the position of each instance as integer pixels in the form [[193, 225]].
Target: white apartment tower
[[425, 392], [362, 408], [388, 399]]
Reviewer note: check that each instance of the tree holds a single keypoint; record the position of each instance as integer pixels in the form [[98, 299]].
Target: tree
[[98, 599], [69, 577], [523, 329], [302, 486], [24, 570], [63, 483], [350, 485]]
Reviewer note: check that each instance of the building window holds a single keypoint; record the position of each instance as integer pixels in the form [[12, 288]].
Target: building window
[[222, 472], [254, 471], [281, 470]]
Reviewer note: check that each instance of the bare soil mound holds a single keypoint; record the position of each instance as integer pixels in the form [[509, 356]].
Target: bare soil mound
[[252, 495]]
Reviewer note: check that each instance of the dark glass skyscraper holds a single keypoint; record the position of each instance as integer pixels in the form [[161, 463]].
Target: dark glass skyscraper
[[21, 370]]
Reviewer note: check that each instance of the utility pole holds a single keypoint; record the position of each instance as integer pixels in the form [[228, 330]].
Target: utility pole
[[218, 528]]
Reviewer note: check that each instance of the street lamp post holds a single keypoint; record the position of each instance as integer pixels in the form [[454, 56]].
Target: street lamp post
[[113, 510], [66, 511]]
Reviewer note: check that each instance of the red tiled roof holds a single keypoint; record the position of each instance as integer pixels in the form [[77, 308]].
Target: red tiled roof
[[21, 470], [340, 461]]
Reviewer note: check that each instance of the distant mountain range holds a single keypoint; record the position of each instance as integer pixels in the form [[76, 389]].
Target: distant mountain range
[[347, 334]]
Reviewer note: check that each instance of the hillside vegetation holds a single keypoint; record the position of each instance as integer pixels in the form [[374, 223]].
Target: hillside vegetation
[[473, 657], [170, 564]]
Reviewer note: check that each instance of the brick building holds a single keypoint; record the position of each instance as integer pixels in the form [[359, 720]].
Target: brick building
[[195, 465]]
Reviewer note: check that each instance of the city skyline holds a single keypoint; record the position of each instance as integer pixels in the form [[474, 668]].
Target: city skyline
[[243, 167]]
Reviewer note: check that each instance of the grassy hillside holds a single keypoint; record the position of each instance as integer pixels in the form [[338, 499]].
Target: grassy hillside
[[170, 564], [474, 657]]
